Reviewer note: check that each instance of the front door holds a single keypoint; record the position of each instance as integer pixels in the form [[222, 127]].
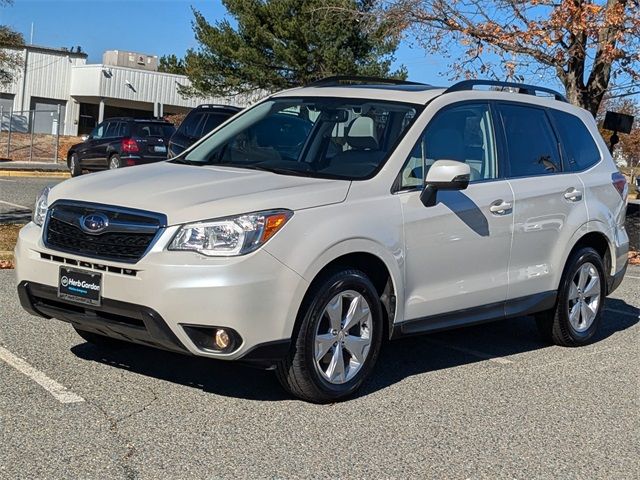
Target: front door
[[457, 252]]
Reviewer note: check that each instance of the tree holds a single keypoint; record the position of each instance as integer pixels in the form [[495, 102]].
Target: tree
[[281, 44], [171, 64], [584, 43], [10, 60]]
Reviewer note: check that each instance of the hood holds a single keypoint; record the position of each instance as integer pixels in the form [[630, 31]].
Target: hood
[[186, 193]]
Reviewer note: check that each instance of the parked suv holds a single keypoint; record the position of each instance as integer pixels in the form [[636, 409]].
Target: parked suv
[[198, 122], [121, 142], [326, 219]]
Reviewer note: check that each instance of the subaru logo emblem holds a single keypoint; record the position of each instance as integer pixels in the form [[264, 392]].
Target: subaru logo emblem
[[94, 223]]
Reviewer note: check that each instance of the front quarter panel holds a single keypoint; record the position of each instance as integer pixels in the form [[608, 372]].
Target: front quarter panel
[[314, 237]]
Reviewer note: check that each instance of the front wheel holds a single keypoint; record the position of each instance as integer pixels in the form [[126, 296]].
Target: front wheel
[[338, 341], [581, 295], [74, 165]]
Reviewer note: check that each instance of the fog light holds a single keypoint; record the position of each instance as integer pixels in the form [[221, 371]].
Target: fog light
[[222, 339]]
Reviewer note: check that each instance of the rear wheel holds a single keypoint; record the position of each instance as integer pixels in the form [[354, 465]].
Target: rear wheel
[[114, 162], [576, 317], [100, 340], [338, 341], [74, 165]]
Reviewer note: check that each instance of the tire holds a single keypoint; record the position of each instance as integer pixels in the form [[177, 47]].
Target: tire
[[114, 162], [100, 340], [339, 372], [576, 317], [74, 165]]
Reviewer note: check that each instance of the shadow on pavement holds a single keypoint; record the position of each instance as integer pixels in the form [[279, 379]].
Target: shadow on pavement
[[398, 360]]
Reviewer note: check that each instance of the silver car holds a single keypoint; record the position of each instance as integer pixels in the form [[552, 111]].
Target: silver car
[[324, 220]]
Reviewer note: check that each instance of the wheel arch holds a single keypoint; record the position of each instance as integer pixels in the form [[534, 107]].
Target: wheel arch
[[384, 273], [593, 235]]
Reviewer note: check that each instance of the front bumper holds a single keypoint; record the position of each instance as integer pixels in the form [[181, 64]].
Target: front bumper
[[150, 301]]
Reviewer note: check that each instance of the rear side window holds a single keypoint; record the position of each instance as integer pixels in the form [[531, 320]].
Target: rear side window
[[192, 125], [578, 144], [112, 130], [211, 121], [153, 130], [532, 148]]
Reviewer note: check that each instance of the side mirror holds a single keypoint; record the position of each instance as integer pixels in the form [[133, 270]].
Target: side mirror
[[84, 138], [444, 175]]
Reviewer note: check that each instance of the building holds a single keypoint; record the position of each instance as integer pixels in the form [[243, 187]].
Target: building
[[124, 84]]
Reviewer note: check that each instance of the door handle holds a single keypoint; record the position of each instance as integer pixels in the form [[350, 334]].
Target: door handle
[[573, 195], [500, 207]]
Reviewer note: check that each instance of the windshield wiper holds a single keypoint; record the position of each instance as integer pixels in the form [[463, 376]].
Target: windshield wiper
[[276, 170], [184, 161]]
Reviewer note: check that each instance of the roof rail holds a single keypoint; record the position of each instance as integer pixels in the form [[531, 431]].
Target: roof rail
[[355, 79], [521, 87]]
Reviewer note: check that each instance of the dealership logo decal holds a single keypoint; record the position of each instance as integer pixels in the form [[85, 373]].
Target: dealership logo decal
[[94, 223], [64, 281]]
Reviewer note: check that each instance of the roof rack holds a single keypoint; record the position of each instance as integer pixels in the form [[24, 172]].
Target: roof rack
[[218, 106], [521, 87], [355, 79]]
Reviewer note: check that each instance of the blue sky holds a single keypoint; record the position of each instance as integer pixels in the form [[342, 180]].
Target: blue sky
[[155, 27]]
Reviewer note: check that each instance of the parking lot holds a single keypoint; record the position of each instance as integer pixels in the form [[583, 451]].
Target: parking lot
[[18, 195], [491, 401]]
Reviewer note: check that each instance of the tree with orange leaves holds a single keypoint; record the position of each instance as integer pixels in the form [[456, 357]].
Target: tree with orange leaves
[[586, 44]]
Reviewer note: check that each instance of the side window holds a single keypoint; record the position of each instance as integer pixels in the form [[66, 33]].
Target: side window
[[111, 130], [212, 121], [192, 125], [532, 148], [98, 132], [579, 147], [463, 133]]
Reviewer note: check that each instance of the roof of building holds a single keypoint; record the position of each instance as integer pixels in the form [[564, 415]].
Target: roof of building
[[40, 48]]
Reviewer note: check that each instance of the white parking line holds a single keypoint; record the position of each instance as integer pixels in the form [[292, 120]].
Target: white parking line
[[631, 276], [622, 312], [58, 391], [7, 180], [474, 353], [15, 205]]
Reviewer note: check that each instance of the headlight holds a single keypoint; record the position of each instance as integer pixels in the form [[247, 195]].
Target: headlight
[[231, 236], [42, 204]]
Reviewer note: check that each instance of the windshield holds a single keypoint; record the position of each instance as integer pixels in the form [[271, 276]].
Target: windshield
[[316, 137]]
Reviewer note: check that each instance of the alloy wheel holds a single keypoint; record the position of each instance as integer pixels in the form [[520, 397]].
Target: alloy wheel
[[343, 337], [584, 297]]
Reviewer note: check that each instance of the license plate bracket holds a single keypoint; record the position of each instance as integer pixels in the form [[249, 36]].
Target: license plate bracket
[[80, 286]]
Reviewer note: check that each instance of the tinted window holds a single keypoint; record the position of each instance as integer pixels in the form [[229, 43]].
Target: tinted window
[[153, 130], [463, 133], [191, 126], [212, 121], [98, 131], [578, 144], [532, 148], [317, 137], [112, 130]]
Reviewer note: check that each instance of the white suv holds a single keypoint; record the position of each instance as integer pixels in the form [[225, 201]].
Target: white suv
[[308, 229]]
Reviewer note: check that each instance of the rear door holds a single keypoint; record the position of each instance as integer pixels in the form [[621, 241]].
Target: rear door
[[457, 252], [549, 201]]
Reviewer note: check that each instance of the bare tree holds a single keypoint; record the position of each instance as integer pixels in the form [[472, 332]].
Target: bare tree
[[585, 43]]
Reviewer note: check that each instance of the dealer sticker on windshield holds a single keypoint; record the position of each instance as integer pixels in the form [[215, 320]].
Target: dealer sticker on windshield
[[80, 286]]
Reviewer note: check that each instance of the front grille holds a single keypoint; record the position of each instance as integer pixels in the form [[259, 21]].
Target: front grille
[[127, 237]]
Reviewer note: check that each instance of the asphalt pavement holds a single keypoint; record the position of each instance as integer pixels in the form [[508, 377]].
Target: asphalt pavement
[[18, 196], [491, 401]]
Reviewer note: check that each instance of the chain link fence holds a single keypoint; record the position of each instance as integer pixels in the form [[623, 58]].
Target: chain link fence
[[30, 135]]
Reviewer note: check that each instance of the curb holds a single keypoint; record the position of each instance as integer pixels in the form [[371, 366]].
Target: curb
[[33, 173]]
